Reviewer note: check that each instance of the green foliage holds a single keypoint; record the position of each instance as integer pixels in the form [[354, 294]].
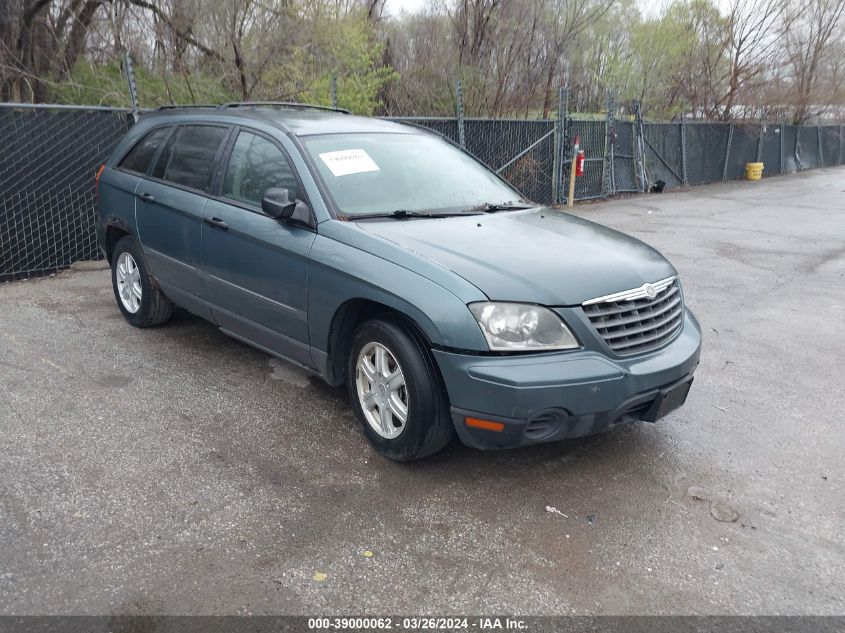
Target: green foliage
[[699, 57], [106, 85], [670, 61], [343, 47], [660, 49], [357, 93], [90, 85]]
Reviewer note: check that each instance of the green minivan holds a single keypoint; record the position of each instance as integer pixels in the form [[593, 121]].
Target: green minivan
[[383, 257]]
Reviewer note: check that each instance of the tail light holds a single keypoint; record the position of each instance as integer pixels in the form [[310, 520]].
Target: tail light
[[97, 180]]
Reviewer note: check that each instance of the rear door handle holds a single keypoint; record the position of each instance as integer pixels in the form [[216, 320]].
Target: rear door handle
[[218, 223], [147, 197]]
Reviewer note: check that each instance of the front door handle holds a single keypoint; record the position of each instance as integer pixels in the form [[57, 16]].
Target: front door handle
[[218, 223], [147, 197]]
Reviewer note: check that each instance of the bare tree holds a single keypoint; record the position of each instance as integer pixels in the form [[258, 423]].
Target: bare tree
[[40, 42], [751, 47], [568, 19], [472, 22], [814, 36], [781, 56]]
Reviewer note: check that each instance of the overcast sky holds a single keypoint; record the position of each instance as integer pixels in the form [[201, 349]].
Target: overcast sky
[[395, 7]]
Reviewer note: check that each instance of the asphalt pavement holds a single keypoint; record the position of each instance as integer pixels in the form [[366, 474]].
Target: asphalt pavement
[[175, 470]]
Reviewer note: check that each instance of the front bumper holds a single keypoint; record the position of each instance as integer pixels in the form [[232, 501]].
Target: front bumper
[[548, 397]]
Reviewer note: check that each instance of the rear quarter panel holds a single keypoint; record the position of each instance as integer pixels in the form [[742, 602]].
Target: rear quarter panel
[[116, 189], [116, 203]]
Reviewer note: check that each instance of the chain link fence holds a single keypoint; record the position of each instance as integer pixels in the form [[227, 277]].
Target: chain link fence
[[771, 150], [830, 145], [808, 147], [663, 154], [626, 160], [592, 137], [49, 159], [519, 150], [51, 153]]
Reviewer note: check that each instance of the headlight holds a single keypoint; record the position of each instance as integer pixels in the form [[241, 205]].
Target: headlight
[[519, 326]]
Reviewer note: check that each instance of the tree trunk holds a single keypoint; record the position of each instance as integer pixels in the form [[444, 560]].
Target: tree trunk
[[547, 97], [239, 64]]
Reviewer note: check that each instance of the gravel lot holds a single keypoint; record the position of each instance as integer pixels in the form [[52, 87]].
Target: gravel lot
[[175, 470]]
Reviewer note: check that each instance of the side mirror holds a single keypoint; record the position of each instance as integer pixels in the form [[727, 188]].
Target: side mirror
[[278, 203]]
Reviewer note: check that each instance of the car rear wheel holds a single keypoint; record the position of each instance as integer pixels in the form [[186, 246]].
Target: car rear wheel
[[396, 391], [136, 291]]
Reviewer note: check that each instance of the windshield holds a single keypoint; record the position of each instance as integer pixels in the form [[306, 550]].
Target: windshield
[[383, 173]]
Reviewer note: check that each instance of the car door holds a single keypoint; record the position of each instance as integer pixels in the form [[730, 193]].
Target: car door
[[117, 191], [169, 208], [255, 267]]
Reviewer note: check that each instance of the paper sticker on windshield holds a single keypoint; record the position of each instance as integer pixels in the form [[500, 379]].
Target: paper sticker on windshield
[[349, 161]]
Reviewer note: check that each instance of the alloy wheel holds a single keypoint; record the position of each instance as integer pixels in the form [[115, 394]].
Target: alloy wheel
[[382, 392], [128, 282]]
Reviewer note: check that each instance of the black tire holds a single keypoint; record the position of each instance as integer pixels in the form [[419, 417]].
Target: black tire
[[428, 427], [155, 308]]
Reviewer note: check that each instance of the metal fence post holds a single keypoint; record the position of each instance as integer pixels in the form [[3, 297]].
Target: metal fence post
[[566, 140], [760, 142], [639, 150], [555, 161], [608, 180], [683, 151], [728, 152], [334, 90], [797, 149], [130, 82], [842, 144], [819, 137], [459, 113], [560, 143], [782, 157]]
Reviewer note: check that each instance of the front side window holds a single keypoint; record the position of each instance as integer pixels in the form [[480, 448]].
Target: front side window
[[383, 173], [193, 155], [255, 166], [139, 157]]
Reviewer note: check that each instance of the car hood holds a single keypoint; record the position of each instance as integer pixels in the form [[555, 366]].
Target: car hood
[[536, 256]]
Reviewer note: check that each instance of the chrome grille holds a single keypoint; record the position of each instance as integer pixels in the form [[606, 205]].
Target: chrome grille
[[632, 321]]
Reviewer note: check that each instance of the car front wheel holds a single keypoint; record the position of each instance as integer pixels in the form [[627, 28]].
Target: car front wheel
[[396, 393]]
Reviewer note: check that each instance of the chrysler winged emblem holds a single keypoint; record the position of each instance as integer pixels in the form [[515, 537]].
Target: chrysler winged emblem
[[650, 291]]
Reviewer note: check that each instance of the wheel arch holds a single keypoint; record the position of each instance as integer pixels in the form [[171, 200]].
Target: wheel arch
[[348, 316], [115, 231]]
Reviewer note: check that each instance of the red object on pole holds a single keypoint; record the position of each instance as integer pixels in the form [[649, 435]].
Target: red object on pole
[[579, 163]]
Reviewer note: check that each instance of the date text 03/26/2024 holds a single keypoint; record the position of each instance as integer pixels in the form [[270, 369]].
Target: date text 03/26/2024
[[417, 623]]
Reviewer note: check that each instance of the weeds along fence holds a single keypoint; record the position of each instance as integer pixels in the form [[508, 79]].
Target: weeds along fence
[[49, 155]]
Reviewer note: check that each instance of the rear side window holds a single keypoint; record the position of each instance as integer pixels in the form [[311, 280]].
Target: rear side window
[[139, 157], [163, 158], [255, 166], [193, 155]]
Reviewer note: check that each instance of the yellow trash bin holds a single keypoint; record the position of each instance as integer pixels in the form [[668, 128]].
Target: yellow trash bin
[[753, 171]]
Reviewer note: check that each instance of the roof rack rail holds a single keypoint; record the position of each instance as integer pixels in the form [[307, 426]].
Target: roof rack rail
[[282, 104], [186, 106]]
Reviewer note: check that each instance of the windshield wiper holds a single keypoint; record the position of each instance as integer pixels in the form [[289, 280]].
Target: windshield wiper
[[492, 207], [402, 214]]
